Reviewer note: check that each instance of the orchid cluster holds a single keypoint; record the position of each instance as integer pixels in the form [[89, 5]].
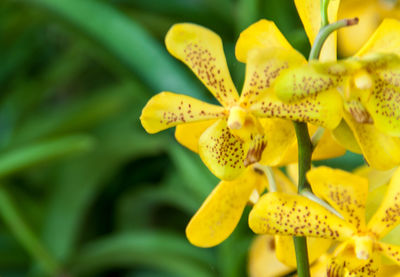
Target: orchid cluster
[[350, 104]]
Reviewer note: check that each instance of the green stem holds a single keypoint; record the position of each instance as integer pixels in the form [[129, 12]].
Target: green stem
[[24, 235], [305, 151], [324, 32], [300, 246], [324, 12]]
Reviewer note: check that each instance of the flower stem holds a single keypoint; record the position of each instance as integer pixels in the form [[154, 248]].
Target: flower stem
[[324, 12], [300, 245], [325, 31], [305, 150]]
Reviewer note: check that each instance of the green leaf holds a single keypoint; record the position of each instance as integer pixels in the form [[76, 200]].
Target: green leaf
[[22, 232], [197, 178], [166, 252], [29, 155], [126, 40], [136, 206], [82, 113], [247, 13], [80, 179]]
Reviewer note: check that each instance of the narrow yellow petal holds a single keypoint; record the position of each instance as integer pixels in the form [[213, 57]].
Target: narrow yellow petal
[[262, 68], [188, 134], [262, 34], [220, 213], [310, 15], [294, 215], [302, 81], [345, 137], [381, 151], [168, 109], [386, 39], [321, 109], [345, 192], [201, 50], [388, 215], [285, 251], [263, 261]]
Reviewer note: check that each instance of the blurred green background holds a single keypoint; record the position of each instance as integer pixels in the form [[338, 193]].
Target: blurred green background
[[84, 190]]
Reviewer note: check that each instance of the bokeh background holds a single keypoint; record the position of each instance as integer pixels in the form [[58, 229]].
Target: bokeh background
[[84, 190]]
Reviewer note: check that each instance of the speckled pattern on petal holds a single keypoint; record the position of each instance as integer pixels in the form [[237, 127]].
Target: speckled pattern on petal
[[201, 50], [346, 192], [294, 215], [168, 109], [388, 215]]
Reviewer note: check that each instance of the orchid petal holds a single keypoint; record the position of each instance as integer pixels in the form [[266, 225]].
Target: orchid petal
[[281, 137], [263, 66], [263, 35], [327, 147], [347, 264], [385, 39], [322, 109], [351, 39], [384, 105], [225, 154], [263, 261], [188, 134], [303, 81], [295, 215], [390, 251], [220, 213], [388, 215], [345, 137], [222, 152], [201, 50], [389, 270], [380, 150], [345, 192], [168, 109]]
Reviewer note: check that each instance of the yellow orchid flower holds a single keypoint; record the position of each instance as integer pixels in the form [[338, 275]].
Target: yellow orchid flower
[[371, 13], [233, 136], [275, 255], [295, 215], [370, 86]]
